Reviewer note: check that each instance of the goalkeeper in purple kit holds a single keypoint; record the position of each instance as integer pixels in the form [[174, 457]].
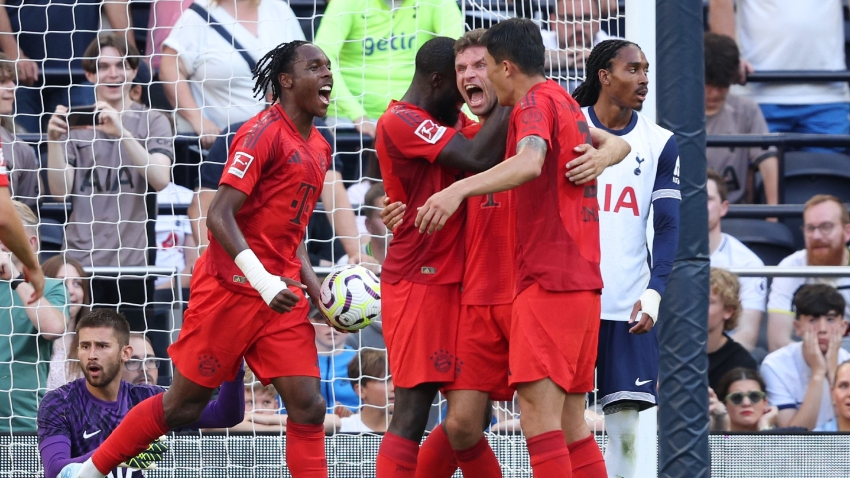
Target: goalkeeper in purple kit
[[75, 419]]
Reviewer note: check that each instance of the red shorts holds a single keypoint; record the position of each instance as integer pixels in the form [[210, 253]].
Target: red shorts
[[482, 350], [420, 329], [220, 327], [554, 335]]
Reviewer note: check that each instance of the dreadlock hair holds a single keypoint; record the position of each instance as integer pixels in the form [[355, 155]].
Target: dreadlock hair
[[278, 60], [600, 59]]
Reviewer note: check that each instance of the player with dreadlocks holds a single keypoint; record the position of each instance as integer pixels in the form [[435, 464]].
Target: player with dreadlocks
[[648, 178], [247, 293]]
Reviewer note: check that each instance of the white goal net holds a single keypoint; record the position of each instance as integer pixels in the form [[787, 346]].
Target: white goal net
[[124, 223]]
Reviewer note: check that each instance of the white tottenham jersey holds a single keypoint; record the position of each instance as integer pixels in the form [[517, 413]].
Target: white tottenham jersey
[[625, 193]]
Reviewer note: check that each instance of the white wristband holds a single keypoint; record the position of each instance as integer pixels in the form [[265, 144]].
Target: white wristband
[[266, 284], [650, 300]]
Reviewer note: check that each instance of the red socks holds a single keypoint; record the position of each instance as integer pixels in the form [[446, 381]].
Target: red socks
[[397, 457], [305, 450], [143, 424], [436, 457], [586, 459], [550, 457], [479, 461]]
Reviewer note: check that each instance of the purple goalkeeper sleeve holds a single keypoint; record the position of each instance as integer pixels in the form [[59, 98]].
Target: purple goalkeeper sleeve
[[56, 454], [229, 409]]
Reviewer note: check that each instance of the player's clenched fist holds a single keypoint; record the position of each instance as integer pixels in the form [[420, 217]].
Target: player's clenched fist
[[285, 300], [432, 216]]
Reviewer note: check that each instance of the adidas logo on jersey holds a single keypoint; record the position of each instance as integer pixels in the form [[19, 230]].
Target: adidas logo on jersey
[[294, 159]]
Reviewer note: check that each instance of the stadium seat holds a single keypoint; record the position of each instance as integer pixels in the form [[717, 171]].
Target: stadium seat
[[51, 234], [771, 241], [809, 173]]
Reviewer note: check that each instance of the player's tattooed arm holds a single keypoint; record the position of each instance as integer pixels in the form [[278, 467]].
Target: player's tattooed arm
[[607, 150], [535, 143]]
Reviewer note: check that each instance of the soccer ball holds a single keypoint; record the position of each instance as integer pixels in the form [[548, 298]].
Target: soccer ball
[[350, 297], [70, 470]]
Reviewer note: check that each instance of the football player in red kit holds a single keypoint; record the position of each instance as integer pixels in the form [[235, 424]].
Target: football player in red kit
[[247, 291], [557, 253]]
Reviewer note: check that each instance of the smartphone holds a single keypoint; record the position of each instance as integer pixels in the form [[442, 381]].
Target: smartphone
[[82, 117]]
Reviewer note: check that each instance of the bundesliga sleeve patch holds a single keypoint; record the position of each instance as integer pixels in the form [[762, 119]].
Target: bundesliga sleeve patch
[[241, 163], [430, 131]]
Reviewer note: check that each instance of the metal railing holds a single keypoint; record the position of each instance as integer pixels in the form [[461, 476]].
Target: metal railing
[[780, 271]]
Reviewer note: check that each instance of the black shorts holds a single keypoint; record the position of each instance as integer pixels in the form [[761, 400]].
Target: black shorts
[[626, 365]]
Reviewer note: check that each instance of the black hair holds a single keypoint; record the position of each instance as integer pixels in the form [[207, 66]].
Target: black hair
[[735, 375], [600, 59], [436, 55], [721, 60], [108, 319], [817, 299], [278, 60], [517, 40]]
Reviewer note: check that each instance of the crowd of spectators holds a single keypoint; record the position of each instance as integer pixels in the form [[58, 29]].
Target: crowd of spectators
[[196, 69]]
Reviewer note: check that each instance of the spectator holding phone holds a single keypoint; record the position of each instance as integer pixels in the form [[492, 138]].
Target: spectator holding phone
[[104, 163]]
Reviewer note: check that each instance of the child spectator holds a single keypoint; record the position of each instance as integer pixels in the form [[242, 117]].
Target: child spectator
[[798, 375], [334, 357], [372, 382], [724, 308]]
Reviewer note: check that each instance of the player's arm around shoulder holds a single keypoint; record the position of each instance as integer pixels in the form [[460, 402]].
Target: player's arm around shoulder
[[482, 152], [524, 166], [607, 150]]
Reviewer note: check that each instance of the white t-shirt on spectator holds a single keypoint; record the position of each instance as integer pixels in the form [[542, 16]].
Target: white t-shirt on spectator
[[354, 424], [782, 289], [172, 230], [787, 376], [220, 78], [733, 253], [793, 35]]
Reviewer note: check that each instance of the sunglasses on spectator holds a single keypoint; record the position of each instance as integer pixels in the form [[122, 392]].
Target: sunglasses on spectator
[[133, 365], [737, 398]]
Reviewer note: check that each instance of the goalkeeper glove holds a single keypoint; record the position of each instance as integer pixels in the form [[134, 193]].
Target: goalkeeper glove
[[147, 459]]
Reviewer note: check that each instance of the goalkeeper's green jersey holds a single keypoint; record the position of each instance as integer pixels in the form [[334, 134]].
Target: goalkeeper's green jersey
[[372, 48]]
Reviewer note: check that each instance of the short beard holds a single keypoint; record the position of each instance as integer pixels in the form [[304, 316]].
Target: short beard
[[834, 257], [107, 376]]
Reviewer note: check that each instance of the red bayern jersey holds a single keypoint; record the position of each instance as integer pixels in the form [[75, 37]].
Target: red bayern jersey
[[557, 222], [408, 142], [4, 178], [488, 275], [282, 174]]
